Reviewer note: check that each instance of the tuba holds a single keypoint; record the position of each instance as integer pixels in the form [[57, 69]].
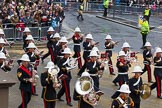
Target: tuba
[[145, 91], [53, 71], [85, 87]]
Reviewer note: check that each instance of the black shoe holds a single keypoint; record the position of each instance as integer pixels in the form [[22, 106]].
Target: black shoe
[[42, 60], [160, 97], [112, 74], [60, 99], [70, 104], [35, 94]]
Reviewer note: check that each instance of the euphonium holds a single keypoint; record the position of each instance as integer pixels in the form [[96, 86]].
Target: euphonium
[[53, 71]]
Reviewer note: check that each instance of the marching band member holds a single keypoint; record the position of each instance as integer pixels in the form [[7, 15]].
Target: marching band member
[[123, 100], [50, 33], [134, 84], [51, 45], [24, 74], [48, 92], [157, 72], [5, 67], [93, 67], [25, 33], [126, 50], [62, 44], [77, 39], [123, 67], [83, 96], [87, 44], [63, 65], [147, 56], [2, 48], [33, 59], [109, 45], [28, 40]]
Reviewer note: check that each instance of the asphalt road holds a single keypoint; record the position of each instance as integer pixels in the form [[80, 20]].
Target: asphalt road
[[99, 29]]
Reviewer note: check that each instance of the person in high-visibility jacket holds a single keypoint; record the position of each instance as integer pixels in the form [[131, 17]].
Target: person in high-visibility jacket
[[80, 12], [105, 5], [145, 29], [147, 13]]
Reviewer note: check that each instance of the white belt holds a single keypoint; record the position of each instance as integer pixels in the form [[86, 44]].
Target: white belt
[[76, 44], [93, 74], [108, 49], [157, 66], [122, 73], [87, 50]]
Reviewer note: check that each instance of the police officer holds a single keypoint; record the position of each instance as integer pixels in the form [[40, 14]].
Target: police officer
[[123, 100], [147, 56], [24, 74], [109, 45], [105, 5], [147, 13], [134, 84], [87, 45], [50, 33], [80, 12], [157, 72], [93, 67], [48, 91], [145, 29], [5, 67], [65, 70], [77, 39]]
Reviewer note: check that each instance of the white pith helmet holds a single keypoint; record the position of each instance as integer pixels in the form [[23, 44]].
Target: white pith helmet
[[137, 69], [124, 89], [25, 57], [89, 36], [63, 39], [2, 41], [29, 37], [121, 53], [49, 64], [95, 49], [126, 45], [93, 54], [31, 45], [147, 44], [67, 51], [26, 29], [50, 29], [1, 31], [77, 29], [2, 55], [56, 35], [158, 50], [85, 74], [108, 37]]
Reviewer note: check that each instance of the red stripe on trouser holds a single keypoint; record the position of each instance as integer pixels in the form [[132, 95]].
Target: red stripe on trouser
[[33, 89], [23, 98], [148, 68], [66, 91], [120, 83], [79, 60], [110, 66], [45, 104], [52, 55], [158, 83]]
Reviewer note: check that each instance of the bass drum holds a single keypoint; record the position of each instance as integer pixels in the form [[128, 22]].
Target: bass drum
[[145, 91]]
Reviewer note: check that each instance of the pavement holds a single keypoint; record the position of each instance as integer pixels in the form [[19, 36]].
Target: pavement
[[99, 29]]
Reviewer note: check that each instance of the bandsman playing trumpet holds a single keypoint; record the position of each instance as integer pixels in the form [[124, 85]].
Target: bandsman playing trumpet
[[77, 39], [3, 64], [48, 92], [24, 74], [93, 67], [123, 100], [157, 72], [148, 59], [85, 92], [65, 76], [109, 45], [135, 84]]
